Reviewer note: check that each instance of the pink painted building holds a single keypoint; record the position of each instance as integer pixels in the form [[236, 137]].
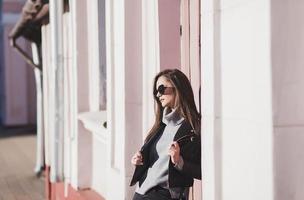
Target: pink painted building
[[100, 57]]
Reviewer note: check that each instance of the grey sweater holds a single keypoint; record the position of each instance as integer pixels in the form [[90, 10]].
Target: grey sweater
[[158, 173]]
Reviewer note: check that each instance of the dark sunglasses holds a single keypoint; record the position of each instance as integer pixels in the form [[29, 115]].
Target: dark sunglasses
[[163, 90]]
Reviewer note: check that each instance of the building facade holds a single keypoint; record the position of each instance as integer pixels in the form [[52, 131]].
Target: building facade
[[99, 60]]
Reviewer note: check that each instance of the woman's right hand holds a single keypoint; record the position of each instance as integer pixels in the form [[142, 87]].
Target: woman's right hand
[[137, 159]]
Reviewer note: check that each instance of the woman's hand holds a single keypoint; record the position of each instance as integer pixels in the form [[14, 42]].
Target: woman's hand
[[137, 159], [174, 152]]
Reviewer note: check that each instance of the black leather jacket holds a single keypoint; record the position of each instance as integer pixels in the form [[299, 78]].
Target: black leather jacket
[[190, 150]]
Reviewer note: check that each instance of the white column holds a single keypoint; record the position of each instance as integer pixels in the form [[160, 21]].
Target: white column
[[56, 12], [74, 100], [185, 37], [115, 38], [67, 63], [245, 102], [236, 100], [151, 59], [46, 44], [124, 103], [110, 95], [194, 51], [211, 185], [93, 54], [40, 114], [109, 9], [81, 139]]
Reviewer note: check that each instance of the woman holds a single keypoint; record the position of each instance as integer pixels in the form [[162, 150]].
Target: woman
[[171, 155]]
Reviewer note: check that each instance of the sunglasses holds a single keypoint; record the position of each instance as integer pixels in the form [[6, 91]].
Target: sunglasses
[[163, 90]]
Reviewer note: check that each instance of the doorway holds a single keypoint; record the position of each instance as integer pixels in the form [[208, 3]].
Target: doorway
[[179, 44]]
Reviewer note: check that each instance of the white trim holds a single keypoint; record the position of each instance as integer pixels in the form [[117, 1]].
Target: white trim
[[56, 10], [74, 95], [185, 37], [67, 100], [194, 48], [93, 121], [45, 84], [118, 86], [151, 58], [209, 27], [51, 97], [110, 76], [93, 54], [39, 97], [115, 63], [114, 75]]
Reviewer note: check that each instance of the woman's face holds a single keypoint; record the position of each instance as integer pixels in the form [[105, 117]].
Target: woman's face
[[165, 92]]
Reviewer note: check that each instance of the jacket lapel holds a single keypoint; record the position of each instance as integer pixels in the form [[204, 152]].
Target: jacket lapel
[[153, 138], [184, 129], [141, 169]]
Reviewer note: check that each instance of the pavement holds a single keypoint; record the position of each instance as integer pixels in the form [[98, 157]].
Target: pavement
[[17, 161]]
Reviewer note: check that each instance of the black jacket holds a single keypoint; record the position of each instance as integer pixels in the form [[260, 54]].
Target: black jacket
[[190, 151]]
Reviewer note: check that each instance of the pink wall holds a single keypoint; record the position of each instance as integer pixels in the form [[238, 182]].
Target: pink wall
[[169, 33]]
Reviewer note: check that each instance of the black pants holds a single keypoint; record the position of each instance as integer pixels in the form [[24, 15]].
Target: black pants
[[156, 193]]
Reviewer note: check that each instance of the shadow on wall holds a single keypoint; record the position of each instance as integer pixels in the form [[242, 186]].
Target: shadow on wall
[[17, 131], [287, 81]]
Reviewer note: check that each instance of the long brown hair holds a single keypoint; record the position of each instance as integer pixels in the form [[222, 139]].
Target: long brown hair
[[184, 100]]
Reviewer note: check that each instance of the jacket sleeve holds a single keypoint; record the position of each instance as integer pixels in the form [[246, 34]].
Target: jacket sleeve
[[191, 165]]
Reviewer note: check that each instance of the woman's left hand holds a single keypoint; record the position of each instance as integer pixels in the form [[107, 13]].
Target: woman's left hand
[[174, 152]]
